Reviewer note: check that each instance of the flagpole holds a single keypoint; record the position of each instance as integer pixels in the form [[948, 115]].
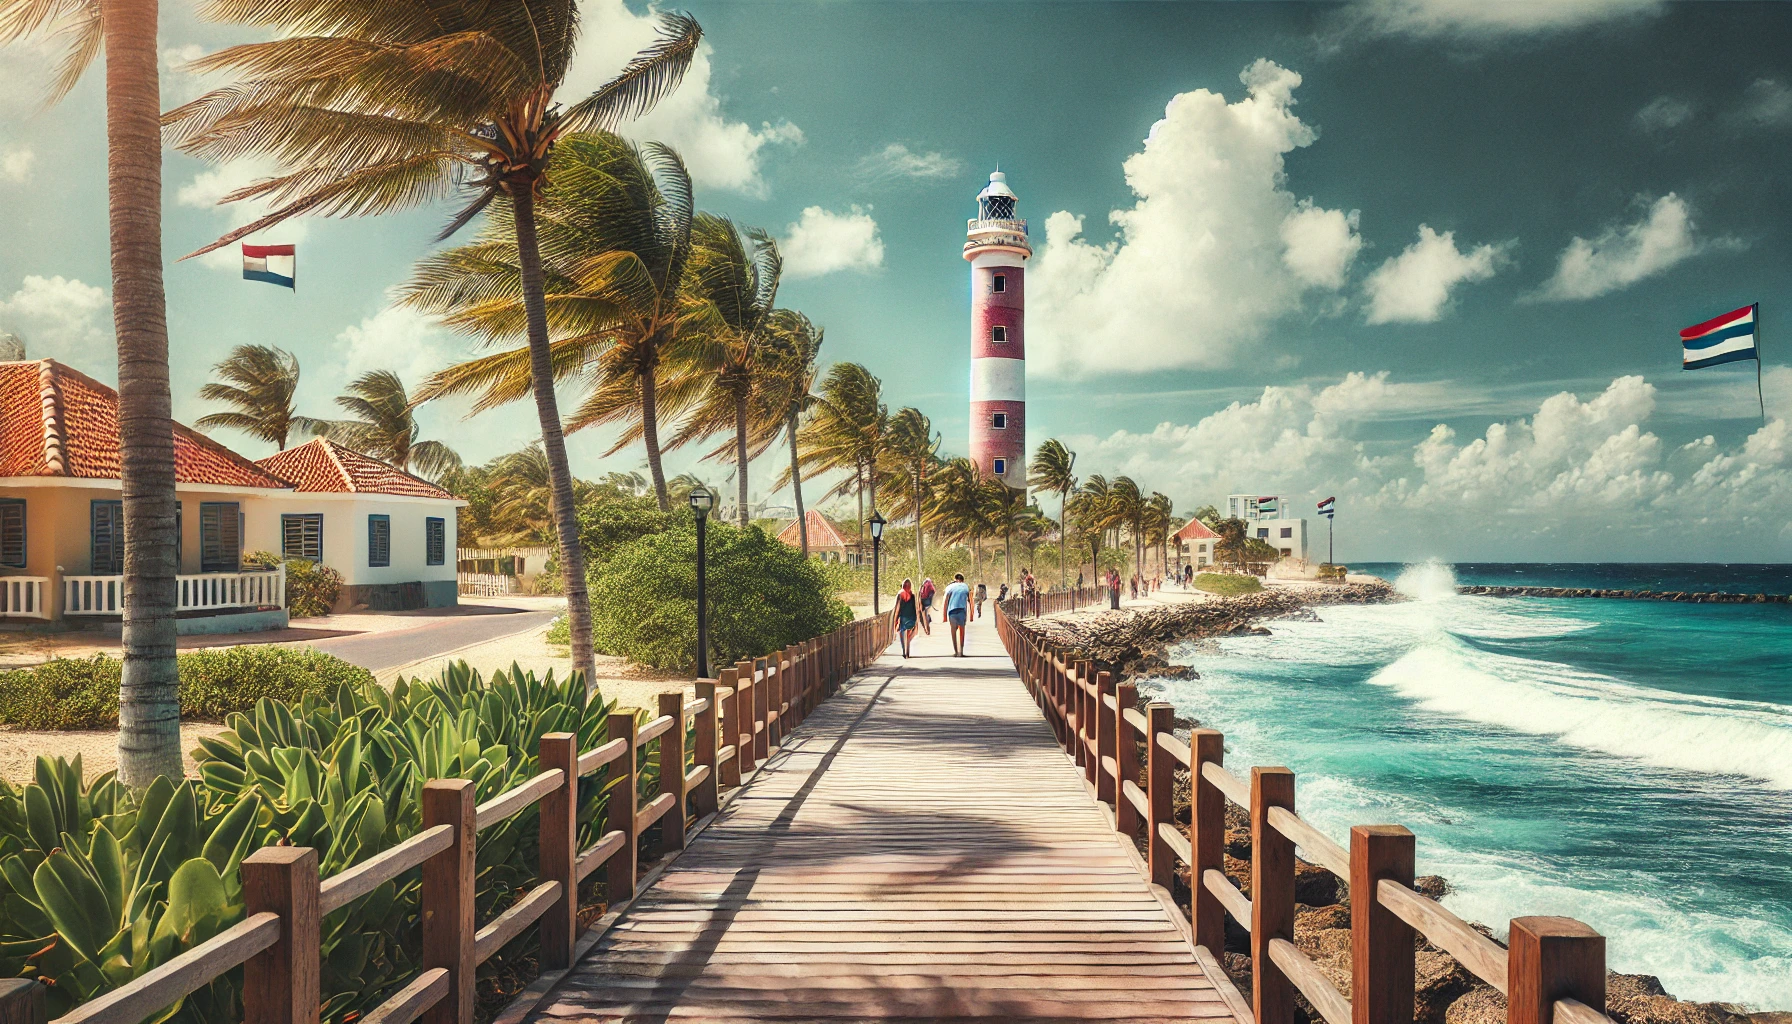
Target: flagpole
[[1758, 395]]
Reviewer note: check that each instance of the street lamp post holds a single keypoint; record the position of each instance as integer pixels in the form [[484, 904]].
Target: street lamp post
[[701, 502], [876, 522]]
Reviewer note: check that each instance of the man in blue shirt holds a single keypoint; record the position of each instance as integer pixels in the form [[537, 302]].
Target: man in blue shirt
[[958, 604]]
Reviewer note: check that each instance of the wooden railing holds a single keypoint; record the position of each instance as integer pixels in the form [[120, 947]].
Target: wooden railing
[[1553, 972], [1062, 600], [23, 597], [753, 706], [205, 591], [485, 584]]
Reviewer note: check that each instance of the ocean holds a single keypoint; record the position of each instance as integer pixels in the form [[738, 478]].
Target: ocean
[[1626, 763]]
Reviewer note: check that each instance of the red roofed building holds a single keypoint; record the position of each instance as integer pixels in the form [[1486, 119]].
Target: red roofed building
[[1197, 543], [825, 542]]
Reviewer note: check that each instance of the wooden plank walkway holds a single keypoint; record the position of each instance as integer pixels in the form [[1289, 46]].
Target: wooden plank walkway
[[920, 849]]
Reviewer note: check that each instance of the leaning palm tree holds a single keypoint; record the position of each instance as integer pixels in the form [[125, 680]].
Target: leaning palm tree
[[615, 232], [382, 424], [373, 108], [1051, 471], [149, 704], [1092, 509], [1158, 512], [789, 394], [1127, 510], [849, 433], [259, 380], [913, 450]]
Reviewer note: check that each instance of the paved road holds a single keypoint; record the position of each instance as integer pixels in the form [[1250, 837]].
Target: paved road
[[392, 648]]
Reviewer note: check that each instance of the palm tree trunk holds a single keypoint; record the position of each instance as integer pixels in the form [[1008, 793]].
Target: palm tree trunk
[[1007, 554], [920, 559], [1063, 570], [149, 693], [740, 453], [796, 482], [650, 436], [553, 439]]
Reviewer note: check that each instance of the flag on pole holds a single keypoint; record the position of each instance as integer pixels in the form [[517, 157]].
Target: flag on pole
[[1266, 504], [1721, 339], [1328, 506], [274, 264]]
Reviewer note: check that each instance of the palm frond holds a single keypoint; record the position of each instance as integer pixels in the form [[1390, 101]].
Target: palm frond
[[653, 73]]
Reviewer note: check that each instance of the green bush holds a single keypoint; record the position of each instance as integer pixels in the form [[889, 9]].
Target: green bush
[[82, 693], [311, 588], [763, 595], [1227, 584]]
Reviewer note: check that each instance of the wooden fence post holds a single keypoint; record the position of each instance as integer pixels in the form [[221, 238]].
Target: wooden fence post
[[746, 693], [559, 841], [1105, 782], [707, 797], [619, 870], [1381, 945], [281, 984], [672, 772], [774, 700], [1552, 958], [1272, 894], [1160, 791], [23, 1001], [447, 898], [728, 721], [762, 726], [1207, 837], [1126, 760]]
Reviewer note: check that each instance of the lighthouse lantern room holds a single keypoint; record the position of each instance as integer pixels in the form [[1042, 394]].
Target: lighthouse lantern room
[[997, 248]]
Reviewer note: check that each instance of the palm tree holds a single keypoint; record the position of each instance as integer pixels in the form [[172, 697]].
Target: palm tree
[[1092, 510], [913, 450], [1007, 512], [522, 482], [1051, 471], [789, 395], [737, 274], [259, 380], [1158, 511], [615, 233], [848, 433], [959, 511], [149, 704], [383, 426], [373, 108], [1127, 504]]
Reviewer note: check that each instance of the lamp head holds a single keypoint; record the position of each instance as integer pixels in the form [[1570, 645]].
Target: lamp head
[[701, 501], [876, 522]]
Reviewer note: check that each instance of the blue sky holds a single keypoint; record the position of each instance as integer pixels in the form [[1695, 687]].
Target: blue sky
[[1426, 255]]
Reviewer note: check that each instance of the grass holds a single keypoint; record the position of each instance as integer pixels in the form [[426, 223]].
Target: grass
[[1227, 584]]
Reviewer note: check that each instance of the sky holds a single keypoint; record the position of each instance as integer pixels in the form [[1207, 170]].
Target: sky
[[1428, 256]]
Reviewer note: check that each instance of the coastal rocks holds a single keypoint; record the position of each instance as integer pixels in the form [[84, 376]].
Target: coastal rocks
[[1629, 999], [1687, 597]]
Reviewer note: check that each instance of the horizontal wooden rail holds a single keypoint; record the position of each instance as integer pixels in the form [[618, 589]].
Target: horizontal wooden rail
[[1319, 848], [597, 757], [655, 809], [725, 753], [1236, 903], [1175, 748], [511, 802], [1312, 984], [652, 730], [594, 858], [513, 920], [182, 975], [1481, 955], [695, 776], [410, 1002], [1136, 796], [1236, 789], [344, 887], [1136, 719], [696, 707], [1178, 842]]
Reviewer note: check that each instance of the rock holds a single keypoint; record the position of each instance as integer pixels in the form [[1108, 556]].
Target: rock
[[1641, 999], [1438, 982], [1481, 1004], [1238, 968], [1314, 885], [1318, 919], [1433, 887], [1246, 629]]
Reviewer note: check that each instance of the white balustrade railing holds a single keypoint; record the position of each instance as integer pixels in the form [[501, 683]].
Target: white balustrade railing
[[486, 584], [206, 591], [23, 597]]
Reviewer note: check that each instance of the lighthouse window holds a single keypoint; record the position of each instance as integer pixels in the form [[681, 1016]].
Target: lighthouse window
[[998, 334], [1000, 421], [1001, 282], [1001, 466]]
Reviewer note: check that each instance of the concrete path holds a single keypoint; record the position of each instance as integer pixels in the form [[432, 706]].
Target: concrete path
[[439, 635], [920, 849]]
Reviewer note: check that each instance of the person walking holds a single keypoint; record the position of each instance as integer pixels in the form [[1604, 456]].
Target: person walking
[[1114, 589], [958, 608], [927, 606], [907, 613], [1002, 594], [982, 595]]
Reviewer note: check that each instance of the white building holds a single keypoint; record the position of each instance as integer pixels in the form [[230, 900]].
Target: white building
[[1264, 518]]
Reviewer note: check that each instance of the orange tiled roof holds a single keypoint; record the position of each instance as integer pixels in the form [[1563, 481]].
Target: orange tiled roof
[[323, 465], [1196, 530], [821, 532], [56, 421]]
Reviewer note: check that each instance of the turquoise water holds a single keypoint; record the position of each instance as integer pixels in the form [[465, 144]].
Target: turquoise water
[[1626, 763]]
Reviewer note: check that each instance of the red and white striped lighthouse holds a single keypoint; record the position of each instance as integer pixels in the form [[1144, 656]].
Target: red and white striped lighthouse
[[997, 248]]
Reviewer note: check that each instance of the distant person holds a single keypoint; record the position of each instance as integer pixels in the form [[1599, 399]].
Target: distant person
[[1079, 579], [982, 595], [907, 614], [958, 609], [1002, 594], [1114, 589], [1133, 582], [927, 606]]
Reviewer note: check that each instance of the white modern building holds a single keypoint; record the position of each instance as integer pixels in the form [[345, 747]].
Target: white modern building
[[1265, 518]]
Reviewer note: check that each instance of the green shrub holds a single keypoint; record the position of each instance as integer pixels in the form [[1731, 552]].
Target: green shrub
[[560, 631], [82, 693], [763, 595], [311, 588], [1227, 584]]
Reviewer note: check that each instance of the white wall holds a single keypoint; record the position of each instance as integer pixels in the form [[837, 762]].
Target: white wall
[[345, 533]]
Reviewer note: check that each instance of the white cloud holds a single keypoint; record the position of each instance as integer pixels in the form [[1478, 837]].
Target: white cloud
[[61, 318], [1766, 103], [1624, 254], [898, 161], [178, 84], [1490, 18], [1215, 249], [1415, 286], [213, 184], [1663, 113], [720, 153], [399, 339], [16, 163], [822, 242]]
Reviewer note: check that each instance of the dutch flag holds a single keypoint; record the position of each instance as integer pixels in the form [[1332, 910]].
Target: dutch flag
[[1266, 504], [1328, 507], [275, 264], [1721, 339]]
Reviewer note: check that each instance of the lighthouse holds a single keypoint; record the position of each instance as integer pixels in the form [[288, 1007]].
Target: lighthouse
[[996, 247]]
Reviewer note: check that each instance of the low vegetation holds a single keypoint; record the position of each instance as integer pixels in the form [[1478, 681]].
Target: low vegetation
[[311, 587], [1227, 584]]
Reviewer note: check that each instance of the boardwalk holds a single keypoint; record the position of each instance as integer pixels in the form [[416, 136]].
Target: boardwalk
[[920, 850]]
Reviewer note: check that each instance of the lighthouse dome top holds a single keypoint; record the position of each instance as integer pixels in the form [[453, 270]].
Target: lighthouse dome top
[[998, 186], [996, 201]]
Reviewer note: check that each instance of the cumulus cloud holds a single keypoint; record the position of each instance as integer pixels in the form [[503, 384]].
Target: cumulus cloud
[[1415, 286], [16, 163], [1493, 18], [898, 161], [399, 339], [1663, 113], [1624, 254], [1577, 477], [1215, 249], [720, 153], [177, 83], [61, 318], [212, 184], [823, 242]]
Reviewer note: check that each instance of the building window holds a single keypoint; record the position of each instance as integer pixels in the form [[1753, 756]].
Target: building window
[[998, 334], [379, 541], [1287, 531], [302, 536], [999, 421], [106, 538], [1001, 467], [12, 532], [220, 536], [1263, 532], [435, 541], [1001, 282]]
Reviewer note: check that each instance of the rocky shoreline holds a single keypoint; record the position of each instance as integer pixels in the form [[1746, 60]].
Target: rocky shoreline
[[1685, 596]]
